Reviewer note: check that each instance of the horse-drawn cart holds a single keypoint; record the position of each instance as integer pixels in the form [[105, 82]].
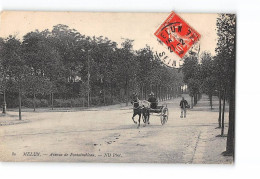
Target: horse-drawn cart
[[144, 109], [161, 110]]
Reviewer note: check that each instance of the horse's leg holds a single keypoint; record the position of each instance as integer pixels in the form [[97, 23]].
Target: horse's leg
[[148, 117], [145, 120], [139, 120], [145, 117], [133, 117]]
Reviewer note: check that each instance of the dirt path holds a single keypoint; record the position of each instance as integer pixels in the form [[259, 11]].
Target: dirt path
[[110, 135]]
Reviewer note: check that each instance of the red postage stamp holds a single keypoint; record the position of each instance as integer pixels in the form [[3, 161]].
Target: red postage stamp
[[177, 34]]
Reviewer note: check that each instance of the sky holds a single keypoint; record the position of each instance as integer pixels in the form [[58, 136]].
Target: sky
[[139, 27]]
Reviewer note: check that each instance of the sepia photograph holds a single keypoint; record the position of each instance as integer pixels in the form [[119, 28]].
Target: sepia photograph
[[117, 87]]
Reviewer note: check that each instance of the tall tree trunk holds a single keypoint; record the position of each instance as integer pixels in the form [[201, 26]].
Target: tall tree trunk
[[142, 92], [83, 101], [231, 128], [219, 109], [195, 99], [49, 102], [145, 91], [160, 92], [34, 98], [169, 93], [126, 92], [104, 95], [4, 103], [223, 114], [156, 91], [164, 93], [210, 101], [111, 94], [20, 104], [52, 100], [191, 103]]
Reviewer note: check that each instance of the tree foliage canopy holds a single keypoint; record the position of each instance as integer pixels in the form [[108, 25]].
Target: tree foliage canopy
[[59, 61]]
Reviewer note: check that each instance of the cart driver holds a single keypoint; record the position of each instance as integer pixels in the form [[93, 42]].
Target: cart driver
[[152, 99]]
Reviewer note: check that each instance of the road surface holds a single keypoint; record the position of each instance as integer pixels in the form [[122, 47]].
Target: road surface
[[108, 134]]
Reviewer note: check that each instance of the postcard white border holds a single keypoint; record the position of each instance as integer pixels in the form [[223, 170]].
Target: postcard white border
[[247, 161]]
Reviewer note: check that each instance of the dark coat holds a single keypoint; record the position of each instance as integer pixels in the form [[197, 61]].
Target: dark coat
[[183, 104], [153, 102]]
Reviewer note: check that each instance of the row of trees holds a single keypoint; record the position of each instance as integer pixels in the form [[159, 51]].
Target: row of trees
[[216, 75], [64, 64], [201, 76]]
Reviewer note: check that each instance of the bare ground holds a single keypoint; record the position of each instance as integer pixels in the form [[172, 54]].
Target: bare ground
[[108, 134]]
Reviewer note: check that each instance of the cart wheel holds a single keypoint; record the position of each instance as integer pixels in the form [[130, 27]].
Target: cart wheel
[[162, 116], [166, 115]]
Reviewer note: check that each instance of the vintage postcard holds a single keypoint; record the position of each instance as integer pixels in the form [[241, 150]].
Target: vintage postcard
[[117, 87]]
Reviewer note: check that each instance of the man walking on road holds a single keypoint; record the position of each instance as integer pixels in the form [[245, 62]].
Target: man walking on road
[[183, 105]]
